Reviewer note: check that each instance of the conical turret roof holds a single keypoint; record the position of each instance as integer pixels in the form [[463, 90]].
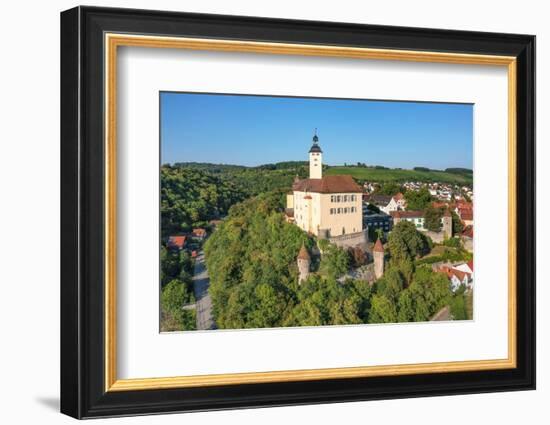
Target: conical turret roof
[[303, 254], [378, 247]]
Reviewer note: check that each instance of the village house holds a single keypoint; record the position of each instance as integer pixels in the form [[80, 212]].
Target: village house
[[382, 202], [199, 233], [465, 211], [177, 242], [387, 203], [327, 206], [418, 219], [458, 274]]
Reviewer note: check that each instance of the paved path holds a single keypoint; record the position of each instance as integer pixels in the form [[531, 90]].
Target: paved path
[[201, 282]]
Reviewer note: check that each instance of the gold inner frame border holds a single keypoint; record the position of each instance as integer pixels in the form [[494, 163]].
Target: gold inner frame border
[[112, 41]]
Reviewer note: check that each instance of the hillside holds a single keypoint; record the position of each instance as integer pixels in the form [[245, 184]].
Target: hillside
[[400, 175]]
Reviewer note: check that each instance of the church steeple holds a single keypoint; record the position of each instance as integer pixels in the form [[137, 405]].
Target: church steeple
[[315, 147], [315, 159]]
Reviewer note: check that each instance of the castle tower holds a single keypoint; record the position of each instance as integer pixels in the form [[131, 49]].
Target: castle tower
[[447, 222], [378, 254], [315, 159], [304, 261]]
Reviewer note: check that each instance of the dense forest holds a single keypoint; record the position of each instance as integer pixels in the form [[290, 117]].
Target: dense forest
[[194, 193], [191, 197], [251, 259]]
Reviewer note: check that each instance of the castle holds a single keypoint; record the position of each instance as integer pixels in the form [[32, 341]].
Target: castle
[[328, 207]]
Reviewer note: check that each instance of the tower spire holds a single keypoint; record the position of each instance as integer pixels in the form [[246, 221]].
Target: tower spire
[[315, 158]]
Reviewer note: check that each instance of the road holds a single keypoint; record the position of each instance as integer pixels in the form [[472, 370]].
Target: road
[[201, 282]]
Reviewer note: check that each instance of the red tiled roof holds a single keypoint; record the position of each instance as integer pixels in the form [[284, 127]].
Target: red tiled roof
[[378, 247], [468, 231], [328, 184], [199, 232], [176, 241], [471, 265], [303, 254], [466, 215], [407, 214], [450, 272], [459, 274]]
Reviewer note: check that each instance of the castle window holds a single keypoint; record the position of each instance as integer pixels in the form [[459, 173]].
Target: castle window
[[339, 210], [338, 198], [346, 210]]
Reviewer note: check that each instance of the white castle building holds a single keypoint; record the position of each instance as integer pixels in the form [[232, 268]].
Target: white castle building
[[329, 206]]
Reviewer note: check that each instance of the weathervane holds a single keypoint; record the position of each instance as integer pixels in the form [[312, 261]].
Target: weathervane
[[315, 138]]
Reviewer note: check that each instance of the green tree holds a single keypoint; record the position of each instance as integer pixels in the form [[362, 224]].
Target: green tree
[[458, 227], [406, 243], [391, 188], [383, 310], [418, 200], [335, 262], [432, 219]]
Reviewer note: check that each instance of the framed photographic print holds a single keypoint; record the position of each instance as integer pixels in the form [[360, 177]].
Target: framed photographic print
[[261, 212]]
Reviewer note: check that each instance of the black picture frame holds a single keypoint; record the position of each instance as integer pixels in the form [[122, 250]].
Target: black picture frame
[[82, 212]]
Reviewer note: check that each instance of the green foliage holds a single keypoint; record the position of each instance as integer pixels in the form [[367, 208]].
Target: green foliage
[[190, 197], [432, 218], [405, 243], [173, 297], [458, 227], [335, 262], [175, 265], [383, 310], [418, 200], [327, 302], [395, 301], [383, 174], [251, 260], [465, 171], [450, 254], [391, 188], [453, 243], [323, 244]]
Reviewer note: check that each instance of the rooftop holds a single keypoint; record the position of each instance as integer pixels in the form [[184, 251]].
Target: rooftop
[[407, 214], [328, 184], [303, 254], [378, 247]]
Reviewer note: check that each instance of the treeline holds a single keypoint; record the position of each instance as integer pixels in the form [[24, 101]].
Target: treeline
[[251, 260], [190, 197], [466, 171], [245, 181]]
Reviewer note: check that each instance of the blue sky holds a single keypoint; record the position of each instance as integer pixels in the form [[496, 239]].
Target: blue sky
[[254, 130]]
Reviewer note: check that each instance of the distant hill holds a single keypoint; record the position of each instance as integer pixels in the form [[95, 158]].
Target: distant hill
[[377, 174], [363, 173]]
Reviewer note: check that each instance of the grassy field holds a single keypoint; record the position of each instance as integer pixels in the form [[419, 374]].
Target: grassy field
[[378, 175]]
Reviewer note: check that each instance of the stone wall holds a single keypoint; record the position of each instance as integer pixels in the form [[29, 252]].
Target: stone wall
[[351, 240]]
